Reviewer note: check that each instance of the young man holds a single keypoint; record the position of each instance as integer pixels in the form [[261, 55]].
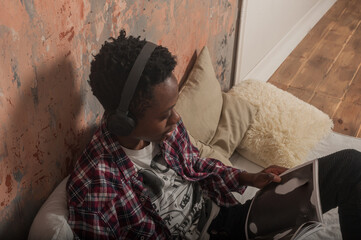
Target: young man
[[148, 181]]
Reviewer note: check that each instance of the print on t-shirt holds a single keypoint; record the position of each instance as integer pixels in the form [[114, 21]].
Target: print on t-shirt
[[177, 201]]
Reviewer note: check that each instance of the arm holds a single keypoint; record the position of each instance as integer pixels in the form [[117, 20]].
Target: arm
[[259, 180], [263, 178], [87, 224]]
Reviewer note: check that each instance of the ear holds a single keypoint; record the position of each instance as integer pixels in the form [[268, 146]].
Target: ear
[[120, 123]]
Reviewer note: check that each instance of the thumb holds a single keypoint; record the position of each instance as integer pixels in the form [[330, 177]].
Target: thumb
[[274, 177]]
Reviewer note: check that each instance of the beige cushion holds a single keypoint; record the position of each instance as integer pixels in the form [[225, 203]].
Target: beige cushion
[[206, 151], [285, 128], [200, 100], [236, 117]]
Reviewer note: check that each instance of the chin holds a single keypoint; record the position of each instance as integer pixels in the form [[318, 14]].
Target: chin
[[157, 139], [161, 138], [164, 137]]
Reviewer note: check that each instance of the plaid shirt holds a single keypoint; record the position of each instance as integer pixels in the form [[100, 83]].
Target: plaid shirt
[[106, 197]]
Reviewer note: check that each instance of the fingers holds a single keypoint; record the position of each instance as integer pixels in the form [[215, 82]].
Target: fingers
[[276, 178], [270, 177], [262, 179], [275, 169]]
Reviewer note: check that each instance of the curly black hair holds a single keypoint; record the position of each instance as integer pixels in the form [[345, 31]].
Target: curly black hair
[[111, 66]]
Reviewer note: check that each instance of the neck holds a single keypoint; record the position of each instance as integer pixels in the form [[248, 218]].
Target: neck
[[132, 143]]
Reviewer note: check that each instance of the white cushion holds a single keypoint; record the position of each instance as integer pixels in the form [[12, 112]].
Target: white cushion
[[51, 220]]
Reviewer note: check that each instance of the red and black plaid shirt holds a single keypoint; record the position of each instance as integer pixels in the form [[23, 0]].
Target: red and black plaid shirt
[[106, 197]]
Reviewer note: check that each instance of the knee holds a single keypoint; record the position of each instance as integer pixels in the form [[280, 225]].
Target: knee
[[347, 159], [352, 154], [344, 159], [353, 159]]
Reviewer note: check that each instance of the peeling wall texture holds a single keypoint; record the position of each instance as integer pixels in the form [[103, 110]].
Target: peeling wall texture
[[47, 111]]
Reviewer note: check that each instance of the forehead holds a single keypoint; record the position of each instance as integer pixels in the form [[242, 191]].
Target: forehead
[[165, 94]]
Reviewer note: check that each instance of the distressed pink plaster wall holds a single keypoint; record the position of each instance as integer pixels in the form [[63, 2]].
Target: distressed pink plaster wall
[[47, 109]]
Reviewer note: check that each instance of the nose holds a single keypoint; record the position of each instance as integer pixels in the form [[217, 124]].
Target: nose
[[174, 118]]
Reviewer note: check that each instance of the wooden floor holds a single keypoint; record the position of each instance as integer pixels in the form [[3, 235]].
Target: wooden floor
[[324, 69]]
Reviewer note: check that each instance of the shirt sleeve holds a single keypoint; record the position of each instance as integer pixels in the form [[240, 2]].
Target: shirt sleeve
[[229, 175], [88, 225], [114, 222], [223, 180], [217, 180]]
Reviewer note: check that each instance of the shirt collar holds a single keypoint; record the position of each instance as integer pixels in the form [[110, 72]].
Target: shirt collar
[[113, 147], [108, 139]]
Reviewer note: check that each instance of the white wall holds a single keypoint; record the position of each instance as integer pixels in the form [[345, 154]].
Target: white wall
[[270, 30]]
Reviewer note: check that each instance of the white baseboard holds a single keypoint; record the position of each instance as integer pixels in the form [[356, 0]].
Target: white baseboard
[[269, 64]]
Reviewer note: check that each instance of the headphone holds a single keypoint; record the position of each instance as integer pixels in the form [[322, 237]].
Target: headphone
[[120, 122]]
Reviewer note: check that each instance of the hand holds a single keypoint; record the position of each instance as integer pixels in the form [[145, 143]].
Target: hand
[[274, 169], [263, 178]]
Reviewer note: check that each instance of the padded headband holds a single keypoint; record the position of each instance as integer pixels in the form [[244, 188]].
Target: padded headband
[[134, 76]]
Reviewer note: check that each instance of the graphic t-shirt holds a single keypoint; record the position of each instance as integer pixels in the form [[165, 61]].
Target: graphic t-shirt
[[178, 202]]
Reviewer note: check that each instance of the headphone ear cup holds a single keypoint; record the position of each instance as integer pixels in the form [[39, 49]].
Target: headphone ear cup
[[120, 124]]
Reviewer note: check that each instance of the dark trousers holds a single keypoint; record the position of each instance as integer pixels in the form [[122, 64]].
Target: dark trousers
[[340, 186]]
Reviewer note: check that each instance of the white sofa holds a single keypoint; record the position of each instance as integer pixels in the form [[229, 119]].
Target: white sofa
[[224, 126], [50, 222]]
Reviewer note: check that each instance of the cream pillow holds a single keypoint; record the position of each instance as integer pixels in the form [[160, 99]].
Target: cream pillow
[[200, 99], [236, 117], [285, 128], [206, 151]]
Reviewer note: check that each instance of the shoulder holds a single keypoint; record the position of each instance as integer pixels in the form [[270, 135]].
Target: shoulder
[[89, 177], [179, 135], [179, 145], [181, 129], [94, 174], [181, 139]]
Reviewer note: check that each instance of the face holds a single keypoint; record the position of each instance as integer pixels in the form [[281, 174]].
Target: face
[[159, 120]]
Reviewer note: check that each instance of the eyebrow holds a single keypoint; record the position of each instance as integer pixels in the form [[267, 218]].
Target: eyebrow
[[169, 108]]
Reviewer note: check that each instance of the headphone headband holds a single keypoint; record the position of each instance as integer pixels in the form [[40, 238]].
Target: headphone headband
[[134, 76], [120, 122]]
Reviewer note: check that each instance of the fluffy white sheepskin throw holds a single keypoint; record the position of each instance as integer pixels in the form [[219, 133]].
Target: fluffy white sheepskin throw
[[285, 128]]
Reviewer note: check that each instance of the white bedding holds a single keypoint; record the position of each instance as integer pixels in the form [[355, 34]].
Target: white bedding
[[50, 222], [332, 143]]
